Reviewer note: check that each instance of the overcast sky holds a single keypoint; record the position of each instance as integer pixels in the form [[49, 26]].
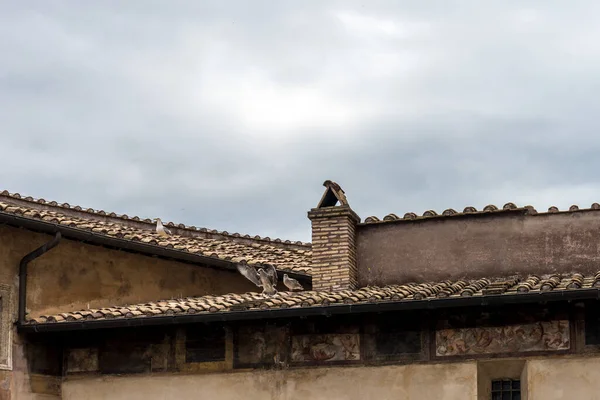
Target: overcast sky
[[231, 114]]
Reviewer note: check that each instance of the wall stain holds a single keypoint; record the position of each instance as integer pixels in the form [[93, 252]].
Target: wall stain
[[64, 281]]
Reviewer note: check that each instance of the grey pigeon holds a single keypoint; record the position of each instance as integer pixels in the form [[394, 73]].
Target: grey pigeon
[[272, 273], [160, 228], [291, 283], [250, 273], [267, 283], [265, 277]]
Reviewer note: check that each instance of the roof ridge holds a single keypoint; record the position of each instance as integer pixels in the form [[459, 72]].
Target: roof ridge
[[124, 217], [469, 210]]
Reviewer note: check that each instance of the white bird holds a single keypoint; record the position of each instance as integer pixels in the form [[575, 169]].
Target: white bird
[[161, 229], [249, 273], [291, 283], [265, 277]]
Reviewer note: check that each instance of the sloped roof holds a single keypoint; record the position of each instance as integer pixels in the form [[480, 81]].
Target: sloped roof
[[504, 288], [284, 255]]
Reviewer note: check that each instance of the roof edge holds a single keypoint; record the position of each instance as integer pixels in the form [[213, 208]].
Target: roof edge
[[490, 209], [327, 311], [28, 201], [431, 215]]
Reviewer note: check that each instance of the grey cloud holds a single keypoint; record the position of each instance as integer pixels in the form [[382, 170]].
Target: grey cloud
[[147, 107]]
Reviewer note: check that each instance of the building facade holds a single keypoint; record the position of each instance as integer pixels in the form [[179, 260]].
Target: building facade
[[500, 303]]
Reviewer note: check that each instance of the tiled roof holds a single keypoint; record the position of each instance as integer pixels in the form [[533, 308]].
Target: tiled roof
[[284, 255], [489, 209], [512, 286]]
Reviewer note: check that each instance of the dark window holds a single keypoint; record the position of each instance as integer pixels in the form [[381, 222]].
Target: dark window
[[45, 358], [125, 351], [124, 358], [393, 343], [397, 337], [592, 327], [506, 389], [205, 343]]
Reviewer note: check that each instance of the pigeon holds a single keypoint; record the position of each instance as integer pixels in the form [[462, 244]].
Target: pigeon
[[272, 273], [265, 277], [160, 229], [249, 273], [291, 283], [267, 284]]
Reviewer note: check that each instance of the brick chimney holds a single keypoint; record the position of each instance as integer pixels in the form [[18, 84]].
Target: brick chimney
[[333, 241]]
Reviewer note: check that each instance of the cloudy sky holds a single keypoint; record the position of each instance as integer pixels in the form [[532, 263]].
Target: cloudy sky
[[231, 114]]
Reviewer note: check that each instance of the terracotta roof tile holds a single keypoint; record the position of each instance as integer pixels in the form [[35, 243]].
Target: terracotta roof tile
[[437, 291], [65, 206], [294, 257], [489, 209]]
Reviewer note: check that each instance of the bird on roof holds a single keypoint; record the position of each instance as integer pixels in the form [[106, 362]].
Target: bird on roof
[[264, 277], [291, 283], [267, 283], [249, 272], [161, 229]]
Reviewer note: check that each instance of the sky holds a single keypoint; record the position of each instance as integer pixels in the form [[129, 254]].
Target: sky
[[230, 114]]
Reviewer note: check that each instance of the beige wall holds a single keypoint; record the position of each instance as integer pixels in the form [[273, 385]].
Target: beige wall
[[422, 382], [74, 275], [559, 379], [553, 378]]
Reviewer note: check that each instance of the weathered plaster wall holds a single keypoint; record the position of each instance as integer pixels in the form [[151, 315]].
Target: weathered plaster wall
[[23, 384], [18, 383], [74, 275], [477, 246], [559, 379], [553, 378], [424, 382]]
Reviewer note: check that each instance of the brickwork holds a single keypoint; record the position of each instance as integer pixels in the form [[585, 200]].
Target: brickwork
[[334, 248]]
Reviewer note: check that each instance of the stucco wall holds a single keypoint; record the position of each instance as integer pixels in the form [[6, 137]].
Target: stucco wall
[[477, 246], [559, 379], [74, 275], [555, 378], [423, 382]]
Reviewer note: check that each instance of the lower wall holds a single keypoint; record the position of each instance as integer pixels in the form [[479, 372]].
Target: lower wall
[[424, 382], [557, 379]]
